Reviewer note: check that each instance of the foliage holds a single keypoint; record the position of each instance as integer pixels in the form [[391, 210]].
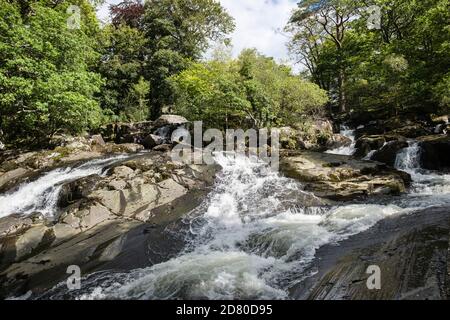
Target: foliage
[[46, 84], [401, 67], [251, 91]]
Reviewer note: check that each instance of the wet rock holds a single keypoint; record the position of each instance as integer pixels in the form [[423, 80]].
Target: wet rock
[[411, 251], [152, 141], [10, 178], [339, 177], [76, 190], [435, 151], [338, 141], [388, 153], [95, 231], [368, 143]]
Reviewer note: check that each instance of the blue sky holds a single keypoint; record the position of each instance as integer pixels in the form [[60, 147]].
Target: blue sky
[[259, 24]]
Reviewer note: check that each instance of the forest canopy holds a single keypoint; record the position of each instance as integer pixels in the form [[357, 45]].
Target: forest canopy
[[150, 59]]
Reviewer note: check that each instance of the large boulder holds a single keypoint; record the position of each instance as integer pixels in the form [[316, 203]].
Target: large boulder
[[169, 120], [366, 144], [338, 141], [435, 151], [388, 153], [152, 141], [338, 177]]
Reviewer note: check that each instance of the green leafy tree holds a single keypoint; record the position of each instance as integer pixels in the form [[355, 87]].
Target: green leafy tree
[[178, 31], [46, 85]]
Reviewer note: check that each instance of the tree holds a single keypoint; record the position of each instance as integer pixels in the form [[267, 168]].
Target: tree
[[46, 85], [318, 21], [178, 31], [252, 91], [123, 66]]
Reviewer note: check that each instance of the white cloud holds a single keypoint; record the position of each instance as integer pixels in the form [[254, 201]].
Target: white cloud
[[259, 24]]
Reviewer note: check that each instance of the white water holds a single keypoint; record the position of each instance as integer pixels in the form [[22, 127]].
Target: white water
[[250, 240], [346, 150], [254, 239], [41, 195]]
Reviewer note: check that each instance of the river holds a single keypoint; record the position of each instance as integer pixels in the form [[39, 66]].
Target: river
[[251, 238]]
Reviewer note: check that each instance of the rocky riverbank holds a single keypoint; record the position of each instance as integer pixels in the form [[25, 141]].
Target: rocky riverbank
[[122, 208], [94, 218], [410, 250]]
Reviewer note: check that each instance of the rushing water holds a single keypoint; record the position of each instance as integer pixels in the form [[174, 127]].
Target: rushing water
[[346, 150], [41, 195], [252, 238]]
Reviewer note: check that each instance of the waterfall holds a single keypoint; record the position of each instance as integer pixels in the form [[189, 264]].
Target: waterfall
[[252, 238], [41, 195], [408, 159], [346, 150]]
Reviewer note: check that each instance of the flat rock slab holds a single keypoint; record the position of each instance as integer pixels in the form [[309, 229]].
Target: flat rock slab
[[342, 178]]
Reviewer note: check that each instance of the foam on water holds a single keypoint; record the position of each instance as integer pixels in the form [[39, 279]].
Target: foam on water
[[346, 150], [41, 195], [247, 241]]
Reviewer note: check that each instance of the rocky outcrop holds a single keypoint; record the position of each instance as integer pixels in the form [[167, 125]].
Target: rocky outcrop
[[388, 142], [16, 168], [339, 177], [169, 120], [95, 213], [411, 251], [137, 132], [435, 151], [338, 141], [368, 143], [152, 141], [388, 153]]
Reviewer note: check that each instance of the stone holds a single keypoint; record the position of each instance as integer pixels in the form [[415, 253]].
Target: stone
[[435, 151], [338, 141], [28, 241], [123, 148], [63, 232], [152, 141], [97, 139], [96, 215], [342, 178], [163, 148], [123, 172], [169, 119], [13, 224], [388, 153], [10, 177], [110, 199], [113, 249], [117, 184], [368, 143]]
